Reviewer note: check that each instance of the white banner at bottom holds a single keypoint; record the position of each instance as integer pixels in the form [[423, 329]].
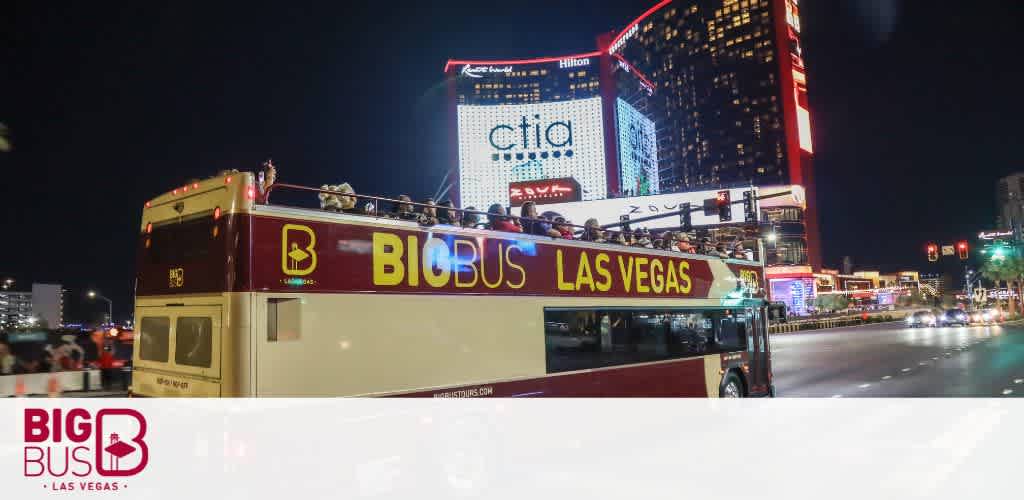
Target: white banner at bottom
[[516, 449]]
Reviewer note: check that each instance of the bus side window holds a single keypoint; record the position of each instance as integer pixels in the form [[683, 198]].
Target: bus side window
[[284, 319]]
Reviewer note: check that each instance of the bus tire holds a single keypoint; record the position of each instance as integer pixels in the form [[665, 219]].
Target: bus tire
[[731, 387]]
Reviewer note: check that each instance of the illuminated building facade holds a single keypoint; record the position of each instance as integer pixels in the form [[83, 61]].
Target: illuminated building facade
[[584, 117], [731, 101], [692, 95]]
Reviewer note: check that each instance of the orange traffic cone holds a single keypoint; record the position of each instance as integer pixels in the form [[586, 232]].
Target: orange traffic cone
[[19, 386], [53, 386]]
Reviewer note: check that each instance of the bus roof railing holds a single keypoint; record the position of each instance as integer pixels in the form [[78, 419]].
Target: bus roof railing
[[265, 199]]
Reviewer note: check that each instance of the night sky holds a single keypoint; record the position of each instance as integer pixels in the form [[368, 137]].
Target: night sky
[[916, 112]]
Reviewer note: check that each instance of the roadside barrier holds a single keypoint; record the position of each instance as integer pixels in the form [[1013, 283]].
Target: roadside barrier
[[820, 324]]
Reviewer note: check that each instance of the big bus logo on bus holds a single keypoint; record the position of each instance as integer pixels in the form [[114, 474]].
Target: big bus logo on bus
[[72, 446], [298, 258]]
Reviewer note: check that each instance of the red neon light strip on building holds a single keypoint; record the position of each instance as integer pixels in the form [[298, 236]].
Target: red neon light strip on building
[[457, 62], [632, 69], [637, 21]]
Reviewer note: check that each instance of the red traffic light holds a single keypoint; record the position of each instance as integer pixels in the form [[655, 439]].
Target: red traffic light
[[962, 250], [722, 198], [933, 252]]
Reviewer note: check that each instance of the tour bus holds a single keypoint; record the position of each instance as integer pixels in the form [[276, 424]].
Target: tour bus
[[240, 297]]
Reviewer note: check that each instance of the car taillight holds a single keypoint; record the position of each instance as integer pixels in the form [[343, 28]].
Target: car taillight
[[227, 180], [195, 185]]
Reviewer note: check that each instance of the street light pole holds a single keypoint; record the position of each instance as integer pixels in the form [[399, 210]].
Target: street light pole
[[110, 305]]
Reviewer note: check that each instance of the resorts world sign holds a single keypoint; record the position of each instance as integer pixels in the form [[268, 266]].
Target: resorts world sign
[[502, 144]]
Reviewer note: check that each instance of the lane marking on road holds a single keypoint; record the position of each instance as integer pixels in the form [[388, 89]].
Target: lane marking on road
[[935, 358], [905, 370], [864, 386], [1019, 381], [887, 377], [1007, 392], [923, 363], [837, 395]]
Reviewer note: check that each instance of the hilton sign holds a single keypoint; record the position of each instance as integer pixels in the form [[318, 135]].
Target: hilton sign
[[544, 191]]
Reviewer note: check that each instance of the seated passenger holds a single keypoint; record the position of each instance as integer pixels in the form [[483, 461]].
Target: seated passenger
[[448, 215], [335, 201], [720, 250], [469, 218], [564, 227], [499, 221], [536, 226], [592, 231], [405, 210], [683, 243], [428, 216], [738, 252], [644, 239]]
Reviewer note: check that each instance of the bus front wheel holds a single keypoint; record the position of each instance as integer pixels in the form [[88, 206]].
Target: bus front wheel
[[731, 386]]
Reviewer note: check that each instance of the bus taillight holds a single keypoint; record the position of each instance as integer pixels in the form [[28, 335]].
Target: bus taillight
[[227, 180], [149, 228], [250, 193], [216, 213], [195, 185], [149, 204]]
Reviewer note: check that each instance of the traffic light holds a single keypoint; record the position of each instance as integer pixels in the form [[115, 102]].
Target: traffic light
[[961, 249], [749, 206], [724, 203], [685, 220], [933, 252]]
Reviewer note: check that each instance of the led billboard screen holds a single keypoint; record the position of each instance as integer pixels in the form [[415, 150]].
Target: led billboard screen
[[638, 151], [501, 144]]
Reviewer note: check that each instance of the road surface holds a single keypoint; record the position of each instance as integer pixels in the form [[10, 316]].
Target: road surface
[[892, 360]]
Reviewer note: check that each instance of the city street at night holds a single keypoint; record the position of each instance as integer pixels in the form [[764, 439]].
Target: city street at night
[[892, 360]]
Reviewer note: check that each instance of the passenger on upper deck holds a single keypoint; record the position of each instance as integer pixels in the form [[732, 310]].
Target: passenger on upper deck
[[560, 224], [405, 210], [683, 243], [469, 219], [448, 215], [536, 226], [592, 232], [428, 217], [499, 220], [336, 201]]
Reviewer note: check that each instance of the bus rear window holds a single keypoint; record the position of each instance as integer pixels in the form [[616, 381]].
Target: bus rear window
[[154, 336], [180, 242], [193, 341]]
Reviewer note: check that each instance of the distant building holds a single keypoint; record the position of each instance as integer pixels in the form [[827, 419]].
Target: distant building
[[48, 304], [1010, 203], [690, 96], [44, 305]]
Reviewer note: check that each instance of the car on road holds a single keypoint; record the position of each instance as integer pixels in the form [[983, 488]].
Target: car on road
[[954, 317], [920, 319], [987, 316]]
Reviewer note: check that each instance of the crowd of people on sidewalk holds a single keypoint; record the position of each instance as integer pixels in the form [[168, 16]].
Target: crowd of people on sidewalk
[[342, 198]]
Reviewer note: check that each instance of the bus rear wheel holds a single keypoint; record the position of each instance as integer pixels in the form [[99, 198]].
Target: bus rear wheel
[[731, 386]]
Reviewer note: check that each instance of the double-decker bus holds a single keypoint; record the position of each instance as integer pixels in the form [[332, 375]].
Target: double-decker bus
[[236, 296]]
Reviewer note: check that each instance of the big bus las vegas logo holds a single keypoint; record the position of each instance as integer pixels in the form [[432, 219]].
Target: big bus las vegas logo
[[298, 258], [71, 447]]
